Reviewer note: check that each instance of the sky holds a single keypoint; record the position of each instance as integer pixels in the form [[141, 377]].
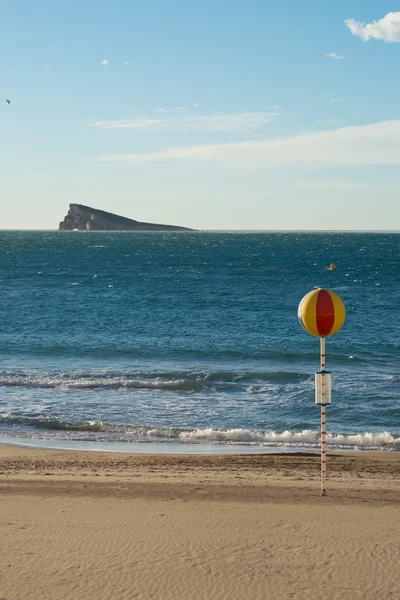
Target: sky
[[219, 114]]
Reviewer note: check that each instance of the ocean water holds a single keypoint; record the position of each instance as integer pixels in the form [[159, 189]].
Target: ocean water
[[192, 339]]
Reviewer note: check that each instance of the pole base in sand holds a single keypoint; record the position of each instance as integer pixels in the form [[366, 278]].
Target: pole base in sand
[[323, 493]]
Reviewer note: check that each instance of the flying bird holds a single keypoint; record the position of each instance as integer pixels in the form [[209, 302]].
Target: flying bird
[[8, 101]]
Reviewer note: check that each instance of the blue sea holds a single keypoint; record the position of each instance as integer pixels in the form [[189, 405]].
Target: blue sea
[[191, 341]]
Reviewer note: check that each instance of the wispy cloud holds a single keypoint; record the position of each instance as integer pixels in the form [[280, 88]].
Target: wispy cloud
[[225, 122], [335, 56], [139, 123], [332, 98], [341, 185], [387, 28], [375, 144], [126, 63], [104, 63]]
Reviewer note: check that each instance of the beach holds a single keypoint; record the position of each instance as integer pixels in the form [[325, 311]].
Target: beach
[[101, 525]]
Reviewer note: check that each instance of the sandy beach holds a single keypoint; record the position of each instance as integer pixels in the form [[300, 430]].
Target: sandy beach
[[80, 525]]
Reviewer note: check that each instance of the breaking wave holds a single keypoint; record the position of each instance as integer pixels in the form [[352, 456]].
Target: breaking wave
[[45, 428]]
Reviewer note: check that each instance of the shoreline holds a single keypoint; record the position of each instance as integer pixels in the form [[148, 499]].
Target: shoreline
[[116, 526], [184, 448]]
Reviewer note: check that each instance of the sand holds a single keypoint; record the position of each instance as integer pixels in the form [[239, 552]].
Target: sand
[[93, 525]]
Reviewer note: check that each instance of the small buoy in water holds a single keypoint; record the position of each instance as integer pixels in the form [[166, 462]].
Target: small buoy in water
[[332, 267]]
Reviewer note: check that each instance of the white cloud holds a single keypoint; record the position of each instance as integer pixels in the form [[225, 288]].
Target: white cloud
[[224, 122], [335, 56], [196, 105], [104, 63], [126, 63], [387, 29], [375, 144]]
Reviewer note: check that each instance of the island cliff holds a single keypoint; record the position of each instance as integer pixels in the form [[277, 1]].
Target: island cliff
[[86, 218]]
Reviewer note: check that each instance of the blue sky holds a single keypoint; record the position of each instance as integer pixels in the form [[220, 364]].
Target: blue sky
[[215, 114]]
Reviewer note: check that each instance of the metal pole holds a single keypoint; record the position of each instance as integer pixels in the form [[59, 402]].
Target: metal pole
[[323, 418]]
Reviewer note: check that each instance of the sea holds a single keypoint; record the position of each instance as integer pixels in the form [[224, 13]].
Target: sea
[[190, 341]]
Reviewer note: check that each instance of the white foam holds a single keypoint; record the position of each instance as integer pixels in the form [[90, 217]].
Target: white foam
[[307, 437]]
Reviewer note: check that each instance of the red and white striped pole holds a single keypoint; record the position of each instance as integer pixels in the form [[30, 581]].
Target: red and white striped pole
[[323, 417], [322, 313]]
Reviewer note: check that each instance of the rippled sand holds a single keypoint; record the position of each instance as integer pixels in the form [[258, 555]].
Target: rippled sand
[[88, 525]]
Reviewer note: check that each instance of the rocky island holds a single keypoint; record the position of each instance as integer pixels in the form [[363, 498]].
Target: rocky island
[[85, 218]]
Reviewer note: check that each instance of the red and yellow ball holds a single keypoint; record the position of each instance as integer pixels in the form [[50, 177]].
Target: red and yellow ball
[[322, 312]]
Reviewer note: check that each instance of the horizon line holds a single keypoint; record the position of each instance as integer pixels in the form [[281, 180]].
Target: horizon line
[[213, 230]]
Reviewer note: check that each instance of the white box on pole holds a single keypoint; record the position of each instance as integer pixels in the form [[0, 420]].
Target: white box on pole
[[323, 387]]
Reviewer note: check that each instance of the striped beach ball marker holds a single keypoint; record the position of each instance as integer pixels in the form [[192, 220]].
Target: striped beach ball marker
[[322, 312]]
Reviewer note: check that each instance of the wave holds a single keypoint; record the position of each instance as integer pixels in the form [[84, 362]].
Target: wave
[[305, 438], [114, 348], [49, 423], [99, 431], [188, 381], [178, 381]]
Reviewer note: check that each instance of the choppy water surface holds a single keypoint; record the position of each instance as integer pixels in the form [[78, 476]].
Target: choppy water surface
[[193, 338]]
